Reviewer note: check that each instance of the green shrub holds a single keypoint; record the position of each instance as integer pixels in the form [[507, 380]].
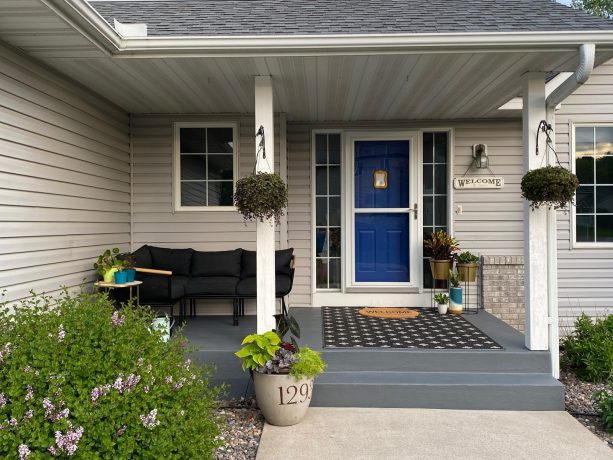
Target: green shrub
[[589, 349], [309, 364], [604, 405], [79, 379]]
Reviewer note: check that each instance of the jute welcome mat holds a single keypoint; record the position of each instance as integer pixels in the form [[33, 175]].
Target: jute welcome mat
[[345, 327]]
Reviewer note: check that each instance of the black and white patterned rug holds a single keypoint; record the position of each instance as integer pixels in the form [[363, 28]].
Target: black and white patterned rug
[[344, 327]]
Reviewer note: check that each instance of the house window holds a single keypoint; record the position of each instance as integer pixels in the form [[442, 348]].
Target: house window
[[435, 193], [594, 168], [328, 211], [205, 166]]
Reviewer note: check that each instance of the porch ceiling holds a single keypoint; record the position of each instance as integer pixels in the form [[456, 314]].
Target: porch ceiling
[[366, 85], [323, 88]]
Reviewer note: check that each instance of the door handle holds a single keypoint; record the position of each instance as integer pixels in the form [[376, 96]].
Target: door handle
[[414, 211]]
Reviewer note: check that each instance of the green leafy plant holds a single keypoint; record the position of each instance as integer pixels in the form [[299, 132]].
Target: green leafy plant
[[258, 349], [552, 186], [467, 257], [79, 378], [309, 364], [441, 299], [261, 196], [440, 245], [454, 278], [604, 404], [107, 260], [589, 349]]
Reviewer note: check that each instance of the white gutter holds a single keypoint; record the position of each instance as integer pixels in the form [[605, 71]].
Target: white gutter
[[85, 19], [587, 54]]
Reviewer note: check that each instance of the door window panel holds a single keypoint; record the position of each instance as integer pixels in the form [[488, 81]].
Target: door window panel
[[328, 211]]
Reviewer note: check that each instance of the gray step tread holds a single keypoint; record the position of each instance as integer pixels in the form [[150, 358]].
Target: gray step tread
[[437, 378]]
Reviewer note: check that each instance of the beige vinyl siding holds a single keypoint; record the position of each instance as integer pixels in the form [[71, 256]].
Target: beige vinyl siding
[[491, 222], [155, 222], [64, 178], [585, 275]]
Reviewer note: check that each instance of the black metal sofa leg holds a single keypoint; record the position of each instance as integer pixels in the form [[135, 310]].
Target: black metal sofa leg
[[235, 312]]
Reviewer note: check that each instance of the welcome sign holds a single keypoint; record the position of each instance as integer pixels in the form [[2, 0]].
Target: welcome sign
[[460, 183]]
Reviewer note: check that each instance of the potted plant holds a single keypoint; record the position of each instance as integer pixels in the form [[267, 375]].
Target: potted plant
[[121, 274], [442, 301], [467, 264], [261, 196], [552, 186], [129, 264], [107, 264], [440, 247], [283, 376], [455, 293]]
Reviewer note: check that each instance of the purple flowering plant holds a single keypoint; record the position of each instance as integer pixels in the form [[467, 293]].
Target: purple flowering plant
[[79, 379]]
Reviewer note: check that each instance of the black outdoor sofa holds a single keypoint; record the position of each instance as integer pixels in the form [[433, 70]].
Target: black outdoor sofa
[[182, 276]]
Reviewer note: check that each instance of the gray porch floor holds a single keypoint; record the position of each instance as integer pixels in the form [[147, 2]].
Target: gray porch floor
[[216, 333], [513, 378]]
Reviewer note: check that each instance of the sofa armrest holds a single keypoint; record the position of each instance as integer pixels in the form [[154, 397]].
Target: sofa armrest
[[154, 272]]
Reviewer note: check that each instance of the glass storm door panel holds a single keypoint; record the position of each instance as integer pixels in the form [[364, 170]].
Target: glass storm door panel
[[382, 211]]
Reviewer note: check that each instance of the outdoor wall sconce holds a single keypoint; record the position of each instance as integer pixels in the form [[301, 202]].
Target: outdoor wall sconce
[[481, 161], [379, 178]]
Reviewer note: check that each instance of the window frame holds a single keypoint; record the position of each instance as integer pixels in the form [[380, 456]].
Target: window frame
[[176, 163], [573, 214]]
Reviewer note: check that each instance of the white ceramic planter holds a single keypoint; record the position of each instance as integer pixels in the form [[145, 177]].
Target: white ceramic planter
[[442, 308], [283, 399]]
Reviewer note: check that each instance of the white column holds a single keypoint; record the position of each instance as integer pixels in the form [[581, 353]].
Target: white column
[[535, 222], [552, 267], [264, 116]]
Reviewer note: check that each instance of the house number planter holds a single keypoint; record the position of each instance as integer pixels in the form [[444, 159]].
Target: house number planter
[[283, 399]]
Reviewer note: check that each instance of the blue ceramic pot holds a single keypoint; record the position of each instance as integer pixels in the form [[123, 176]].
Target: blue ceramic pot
[[131, 274], [121, 277], [455, 300]]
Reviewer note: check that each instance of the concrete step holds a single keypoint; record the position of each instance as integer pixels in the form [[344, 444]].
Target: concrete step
[[403, 360], [439, 390]]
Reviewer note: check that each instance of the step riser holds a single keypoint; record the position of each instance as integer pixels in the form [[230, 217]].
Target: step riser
[[403, 361], [433, 361], [503, 397]]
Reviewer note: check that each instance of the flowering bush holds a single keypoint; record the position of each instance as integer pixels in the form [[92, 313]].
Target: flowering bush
[[79, 379]]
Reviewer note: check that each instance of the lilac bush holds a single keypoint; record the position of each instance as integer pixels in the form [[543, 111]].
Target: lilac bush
[[79, 379]]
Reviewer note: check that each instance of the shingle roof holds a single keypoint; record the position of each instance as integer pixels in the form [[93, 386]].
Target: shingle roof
[[316, 17]]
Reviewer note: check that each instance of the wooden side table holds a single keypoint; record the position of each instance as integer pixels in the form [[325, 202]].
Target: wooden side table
[[133, 284]]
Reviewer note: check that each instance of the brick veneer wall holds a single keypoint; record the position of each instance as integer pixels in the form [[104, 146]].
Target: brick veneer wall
[[503, 288]]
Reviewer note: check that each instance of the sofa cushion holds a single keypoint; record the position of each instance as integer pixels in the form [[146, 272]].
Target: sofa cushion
[[142, 257], [216, 263], [178, 261], [283, 259], [212, 285], [155, 288], [247, 286], [249, 267]]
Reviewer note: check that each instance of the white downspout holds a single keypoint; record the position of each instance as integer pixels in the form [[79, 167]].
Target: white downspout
[[587, 54]]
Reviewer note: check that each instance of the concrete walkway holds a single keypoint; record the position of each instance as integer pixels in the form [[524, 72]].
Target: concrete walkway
[[352, 434]]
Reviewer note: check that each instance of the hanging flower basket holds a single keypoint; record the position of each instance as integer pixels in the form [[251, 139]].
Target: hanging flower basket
[[261, 196], [552, 186]]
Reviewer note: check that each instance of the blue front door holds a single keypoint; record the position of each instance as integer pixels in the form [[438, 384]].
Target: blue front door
[[381, 211]]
